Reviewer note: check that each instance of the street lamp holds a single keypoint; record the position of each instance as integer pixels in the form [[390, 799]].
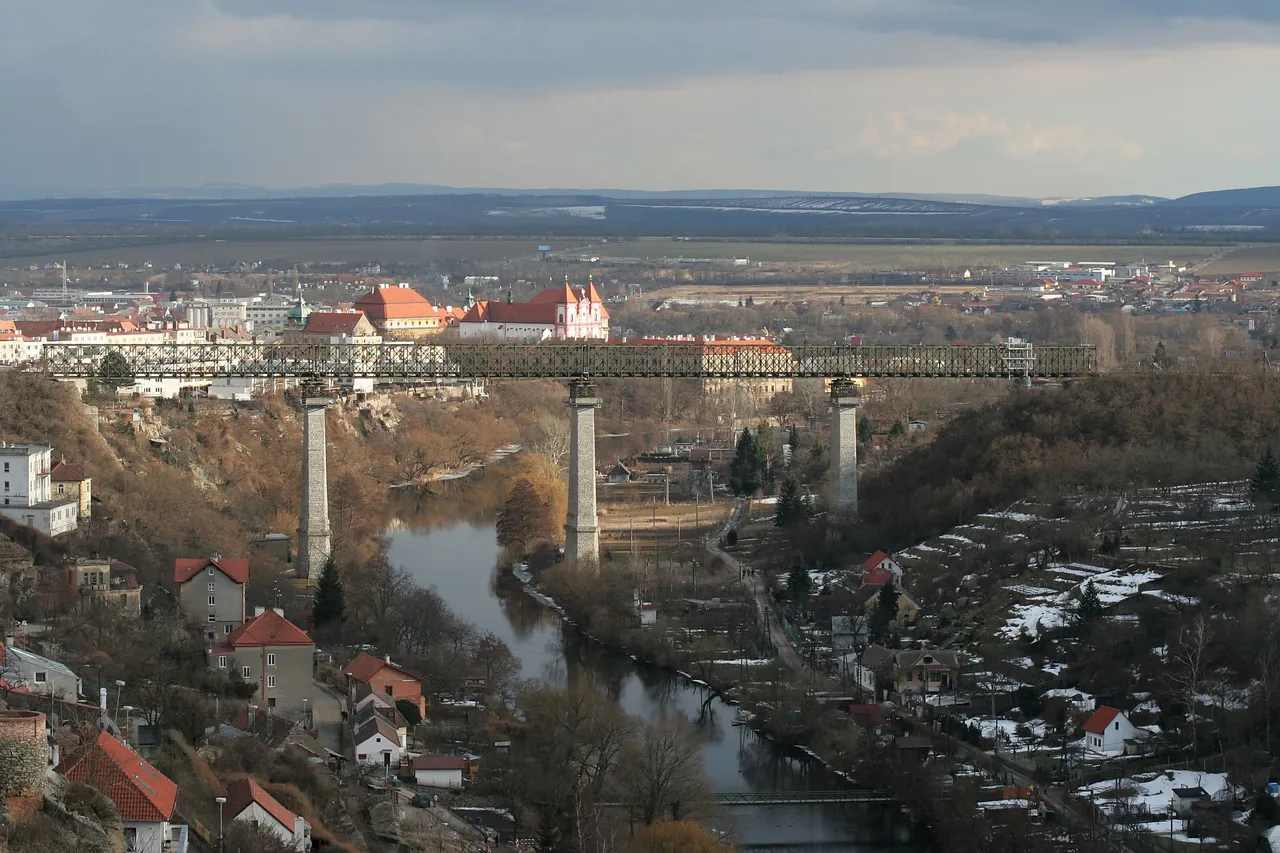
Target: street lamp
[[222, 839], [119, 690], [306, 716]]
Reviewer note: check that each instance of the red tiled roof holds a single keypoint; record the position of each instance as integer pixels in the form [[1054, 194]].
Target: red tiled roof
[[140, 792], [1097, 724], [185, 569], [493, 311], [244, 792], [874, 560], [67, 472], [439, 762], [333, 322], [376, 725], [366, 666], [394, 303], [269, 629]]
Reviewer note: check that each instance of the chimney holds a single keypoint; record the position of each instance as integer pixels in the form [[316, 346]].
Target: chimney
[[279, 611], [387, 658], [253, 715], [258, 611], [102, 699]]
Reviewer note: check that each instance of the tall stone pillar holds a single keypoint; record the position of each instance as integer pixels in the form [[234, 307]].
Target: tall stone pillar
[[581, 530], [313, 530], [844, 446]]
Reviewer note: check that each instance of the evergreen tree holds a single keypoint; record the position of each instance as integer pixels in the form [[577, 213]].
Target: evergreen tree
[[1089, 608], [114, 372], [864, 430], [744, 470], [751, 302], [1266, 479], [897, 429], [951, 333], [793, 506], [799, 584], [793, 439], [329, 608], [1161, 359], [886, 610]]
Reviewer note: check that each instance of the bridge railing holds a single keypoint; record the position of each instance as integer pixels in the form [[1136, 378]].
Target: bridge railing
[[394, 360]]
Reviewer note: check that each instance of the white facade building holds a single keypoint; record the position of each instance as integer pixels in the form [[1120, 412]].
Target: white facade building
[[247, 802], [26, 489], [1107, 730]]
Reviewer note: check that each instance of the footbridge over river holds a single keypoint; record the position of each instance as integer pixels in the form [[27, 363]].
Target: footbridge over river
[[319, 366]]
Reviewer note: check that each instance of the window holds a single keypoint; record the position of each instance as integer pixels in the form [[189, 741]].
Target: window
[[6, 485], [211, 617], [222, 661], [212, 601], [271, 681], [244, 672], [1117, 725], [42, 677], [935, 676], [213, 587], [130, 838], [271, 659], [211, 571], [226, 629], [388, 689], [6, 467], [60, 488], [271, 701]]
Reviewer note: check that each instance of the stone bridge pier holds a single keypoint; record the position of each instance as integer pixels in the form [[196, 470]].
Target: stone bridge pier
[[582, 527], [844, 447], [313, 529]]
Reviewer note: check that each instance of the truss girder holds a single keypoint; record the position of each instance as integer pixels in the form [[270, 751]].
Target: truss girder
[[391, 361]]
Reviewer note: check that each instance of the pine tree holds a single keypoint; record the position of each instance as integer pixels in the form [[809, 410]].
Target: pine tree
[[798, 581], [744, 471], [951, 333], [329, 608], [1266, 479], [793, 439], [864, 430], [1089, 608], [793, 506]]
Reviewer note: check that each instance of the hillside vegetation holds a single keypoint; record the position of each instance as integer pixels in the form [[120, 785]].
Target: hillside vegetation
[[1108, 433]]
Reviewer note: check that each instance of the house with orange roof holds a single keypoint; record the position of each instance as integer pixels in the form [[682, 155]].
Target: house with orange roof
[[563, 313], [334, 327], [1107, 730], [248, 802], [368, 674], [144, 797], [211, 592], [399, 311], [274, 654]]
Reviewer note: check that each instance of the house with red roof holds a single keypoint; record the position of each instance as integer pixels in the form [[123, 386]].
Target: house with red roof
[[1106, 731], [144, 797], [248, 802], [277, 656], [211, 592], [400, 311], [563, 313], [880, 568], [439, 771], [368, 674], [334, 327], [70, 481]]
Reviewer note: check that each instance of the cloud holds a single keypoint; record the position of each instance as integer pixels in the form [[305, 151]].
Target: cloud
[[926, 131]]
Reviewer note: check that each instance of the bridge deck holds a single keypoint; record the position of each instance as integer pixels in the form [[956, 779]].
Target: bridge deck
[[392, 361]]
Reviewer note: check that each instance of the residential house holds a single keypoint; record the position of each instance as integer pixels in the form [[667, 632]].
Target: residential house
[[27, 490], [880, 568], [439, 771], [925, 671], [277, 656], [378, 708], [382, 676], [211, 592], [70, 481], [378, 743], [618, 474], [106, 582], [247, 802], [143, 796], [556, 313], [1107, 730], [32, 673], [1186, 800]]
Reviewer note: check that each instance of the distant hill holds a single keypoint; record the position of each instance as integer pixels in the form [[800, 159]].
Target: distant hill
[[1248, 197]]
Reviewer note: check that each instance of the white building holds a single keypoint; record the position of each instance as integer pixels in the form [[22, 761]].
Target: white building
[[1107, 730], [221, 313], [556, 314], [271, 312], [377, 742], [439, 771], [27, 490], [248, 803], [35, 674]]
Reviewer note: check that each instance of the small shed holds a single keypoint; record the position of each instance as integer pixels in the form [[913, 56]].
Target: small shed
[[439, 771], [618, 474]]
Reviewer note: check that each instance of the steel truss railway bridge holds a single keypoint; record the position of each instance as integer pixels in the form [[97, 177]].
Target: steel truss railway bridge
[[790, 798], [319, 366]]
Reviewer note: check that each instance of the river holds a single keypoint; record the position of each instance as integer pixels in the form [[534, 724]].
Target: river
[[461, 559]]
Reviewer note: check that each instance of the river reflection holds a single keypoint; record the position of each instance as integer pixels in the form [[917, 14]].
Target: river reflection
[[461, 559]]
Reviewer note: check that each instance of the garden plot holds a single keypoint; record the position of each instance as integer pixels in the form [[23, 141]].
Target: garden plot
[[1151, 794], [1053, 609]]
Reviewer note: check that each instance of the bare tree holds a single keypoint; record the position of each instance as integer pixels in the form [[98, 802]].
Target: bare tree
[[661, 772], [549, 437], [1189, 659]]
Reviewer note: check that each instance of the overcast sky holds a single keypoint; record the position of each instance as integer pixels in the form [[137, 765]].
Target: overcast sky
[[1019, 97]]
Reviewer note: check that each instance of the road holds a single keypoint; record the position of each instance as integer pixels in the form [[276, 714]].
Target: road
[[764, 603], [326, 716]]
